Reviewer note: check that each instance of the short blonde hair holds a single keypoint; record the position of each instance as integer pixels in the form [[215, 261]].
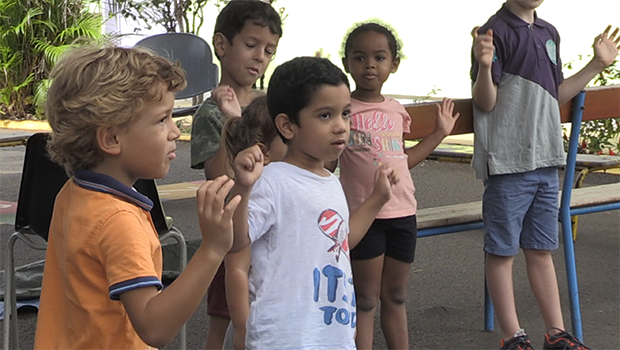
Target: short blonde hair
[[101, 86]]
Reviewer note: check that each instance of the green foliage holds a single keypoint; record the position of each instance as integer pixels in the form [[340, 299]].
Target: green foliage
[[33, 34], [185, 16], [173, 15], [600, 136]]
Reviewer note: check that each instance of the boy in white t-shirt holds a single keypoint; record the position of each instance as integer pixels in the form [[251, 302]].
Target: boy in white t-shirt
[[295, 215]]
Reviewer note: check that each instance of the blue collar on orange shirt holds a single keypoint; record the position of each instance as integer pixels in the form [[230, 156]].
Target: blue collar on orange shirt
[[106, 184]]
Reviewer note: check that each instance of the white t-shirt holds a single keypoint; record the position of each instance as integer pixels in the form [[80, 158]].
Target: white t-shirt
[[301, 287]]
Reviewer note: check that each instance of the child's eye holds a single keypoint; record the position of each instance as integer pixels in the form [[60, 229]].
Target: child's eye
[[325, 116], [358, 58], [347, 113], [380, 58], [250, 45]]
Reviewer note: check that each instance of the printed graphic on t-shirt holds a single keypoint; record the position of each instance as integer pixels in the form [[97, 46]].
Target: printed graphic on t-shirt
[[551, 51], [336, 229], [376, 134], [333, 293], [333, 289]]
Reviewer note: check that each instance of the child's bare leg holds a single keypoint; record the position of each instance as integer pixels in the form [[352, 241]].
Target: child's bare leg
[[393, 309], [501, 289], [541, 273], [216, 332], [367, 280]]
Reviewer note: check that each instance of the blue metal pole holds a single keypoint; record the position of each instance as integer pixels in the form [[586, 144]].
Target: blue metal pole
[[565, 214]]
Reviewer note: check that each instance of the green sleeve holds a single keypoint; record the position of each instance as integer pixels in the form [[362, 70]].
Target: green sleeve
[[207, 127]]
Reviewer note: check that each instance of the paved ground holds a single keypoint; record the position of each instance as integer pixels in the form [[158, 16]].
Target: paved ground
[[445, 300]]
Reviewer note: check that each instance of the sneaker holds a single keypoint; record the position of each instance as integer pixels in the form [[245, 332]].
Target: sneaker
[[562, 341], [521, 342]]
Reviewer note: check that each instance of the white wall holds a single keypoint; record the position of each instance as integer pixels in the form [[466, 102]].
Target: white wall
[[436, 34]]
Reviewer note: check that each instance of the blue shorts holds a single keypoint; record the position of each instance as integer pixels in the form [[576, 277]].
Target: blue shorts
[[521, 211], [395, 238]]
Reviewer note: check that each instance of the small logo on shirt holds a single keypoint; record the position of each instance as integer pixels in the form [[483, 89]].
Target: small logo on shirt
[[335, 228], [552, 51]]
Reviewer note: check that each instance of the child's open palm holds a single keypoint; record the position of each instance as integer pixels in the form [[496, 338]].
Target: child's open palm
[[445, 117], [227, 101], [214, 215], [606, 46], [248, 166]]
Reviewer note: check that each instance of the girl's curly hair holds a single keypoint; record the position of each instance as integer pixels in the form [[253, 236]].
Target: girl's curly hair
[[374, 25]]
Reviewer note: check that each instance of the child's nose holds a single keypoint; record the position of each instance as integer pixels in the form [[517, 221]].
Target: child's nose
[[175, 132], [259, 56], [342, 125]]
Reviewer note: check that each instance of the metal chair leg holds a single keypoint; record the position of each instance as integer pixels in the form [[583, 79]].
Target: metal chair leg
[[175, 234], [9, 318], [10, 297]]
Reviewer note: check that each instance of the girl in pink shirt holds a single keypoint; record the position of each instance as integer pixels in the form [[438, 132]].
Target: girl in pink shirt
[[382, 260]]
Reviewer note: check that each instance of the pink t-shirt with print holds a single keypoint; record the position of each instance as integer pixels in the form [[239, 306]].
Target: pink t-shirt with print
[[377, 138]]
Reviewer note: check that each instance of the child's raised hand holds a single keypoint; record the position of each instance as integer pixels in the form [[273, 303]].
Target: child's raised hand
[[445, 117], [214, 215], [606, 46], [385, 178], [483, 47], [227, 101], [248, 166]]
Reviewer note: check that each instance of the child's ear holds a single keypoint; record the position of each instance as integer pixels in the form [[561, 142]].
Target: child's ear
[[395, 64], [219, 44], [266, 159], [345, 65], [285, 126], [107, 140]]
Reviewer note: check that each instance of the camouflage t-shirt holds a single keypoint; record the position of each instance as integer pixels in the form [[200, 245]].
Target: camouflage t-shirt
[[207, 127]]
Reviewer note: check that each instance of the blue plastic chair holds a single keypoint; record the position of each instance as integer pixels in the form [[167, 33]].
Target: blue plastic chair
[[195, 56]]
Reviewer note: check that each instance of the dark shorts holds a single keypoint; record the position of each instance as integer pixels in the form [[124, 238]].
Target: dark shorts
[[216, 295], [395, 238]]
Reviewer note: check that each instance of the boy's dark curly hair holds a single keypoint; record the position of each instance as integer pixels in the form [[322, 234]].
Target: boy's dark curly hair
[[294, 82], [233, 16]]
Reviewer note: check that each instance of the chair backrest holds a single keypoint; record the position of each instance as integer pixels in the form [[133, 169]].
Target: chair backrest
[[149, 189], [41, 180], [193, 54]]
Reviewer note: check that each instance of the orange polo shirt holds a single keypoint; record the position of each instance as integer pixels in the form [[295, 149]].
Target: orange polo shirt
[[101, 243]]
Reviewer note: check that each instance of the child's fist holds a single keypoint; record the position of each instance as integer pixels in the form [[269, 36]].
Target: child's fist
[[248, 166], [484, 50], [385, 178]]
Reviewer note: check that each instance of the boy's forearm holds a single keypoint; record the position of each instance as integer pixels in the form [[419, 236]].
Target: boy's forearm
[[237, 287], [361, 219], [572, 85], [240, 220], [484, 91], [159, 317]]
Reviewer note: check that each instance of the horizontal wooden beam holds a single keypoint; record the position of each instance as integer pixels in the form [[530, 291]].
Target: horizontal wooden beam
[[601, 103]]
